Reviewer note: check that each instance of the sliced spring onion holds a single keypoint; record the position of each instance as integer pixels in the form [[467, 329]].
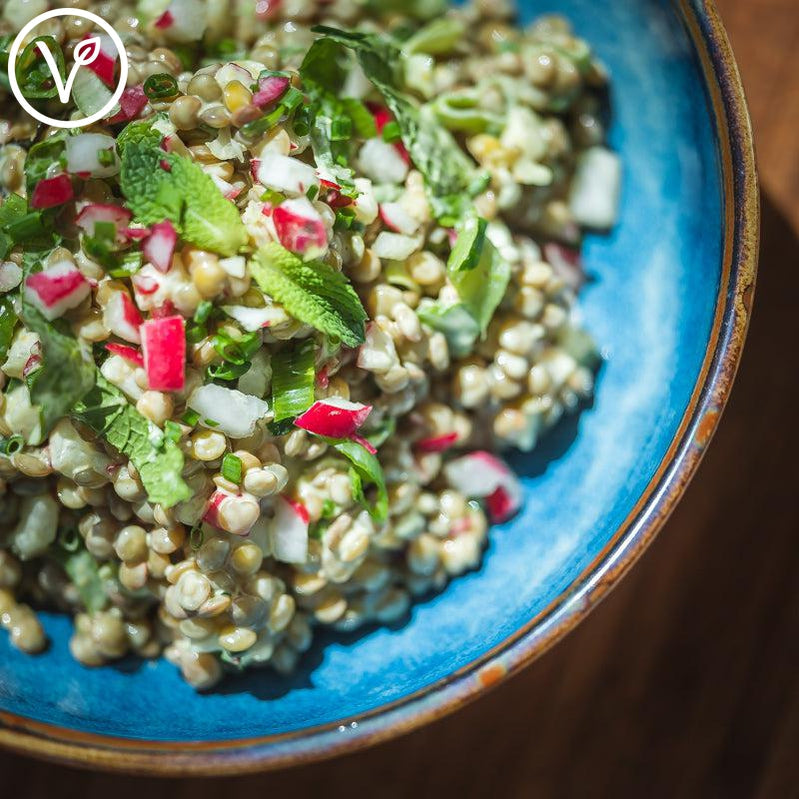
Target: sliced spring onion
[[232, 468], [293, 380], [11, 445], [161, 87], [33, 73]]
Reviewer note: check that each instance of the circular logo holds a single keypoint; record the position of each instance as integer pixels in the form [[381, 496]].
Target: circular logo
[[80, 63]]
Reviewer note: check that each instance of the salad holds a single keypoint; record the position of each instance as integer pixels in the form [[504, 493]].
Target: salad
[[265, 329]]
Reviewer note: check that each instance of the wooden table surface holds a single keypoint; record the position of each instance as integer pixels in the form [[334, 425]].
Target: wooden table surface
[[685, 682]]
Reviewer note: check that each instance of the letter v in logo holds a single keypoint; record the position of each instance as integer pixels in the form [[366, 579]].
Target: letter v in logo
[[85, 53]]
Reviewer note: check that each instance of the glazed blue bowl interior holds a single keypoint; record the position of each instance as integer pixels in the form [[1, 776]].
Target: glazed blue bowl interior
[[650, 305]]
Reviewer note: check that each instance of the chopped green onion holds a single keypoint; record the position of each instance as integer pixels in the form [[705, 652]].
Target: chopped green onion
[[293, 380], [69, 539], [105, 231], [106, 157], [190, 418], [12, 445], [210, 423], [33, 73], [291, 99], [227, 372], [341, 129], [232, 468], [204, 310], [312, 192], [236, 351], [392, 132], [161, 87], [172, 431]]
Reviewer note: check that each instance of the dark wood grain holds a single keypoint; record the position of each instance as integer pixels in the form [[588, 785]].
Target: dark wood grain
[[685, 682]]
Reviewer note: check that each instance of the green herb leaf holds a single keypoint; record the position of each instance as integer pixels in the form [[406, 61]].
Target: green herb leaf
[[314, 293], [8, 323], [158, 459], [447, 170], [67, 371], [366, 469], [293, 380], [468, 249], [83, 570], [232, 468], [161, 86], [33, 73], [182, 193], [456, 323]]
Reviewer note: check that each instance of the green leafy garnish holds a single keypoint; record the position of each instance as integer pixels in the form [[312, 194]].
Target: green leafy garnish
[[83, 570], [21, 226], [468, 249], [8, 323], [456, 323], [365, 470], [313, 293], [293, 380], [161, 86], [159, 185], [67, 371], [158, 460], [447, 170]]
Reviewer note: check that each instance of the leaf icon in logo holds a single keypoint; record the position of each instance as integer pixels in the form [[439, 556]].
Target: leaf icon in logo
[[86, 52]]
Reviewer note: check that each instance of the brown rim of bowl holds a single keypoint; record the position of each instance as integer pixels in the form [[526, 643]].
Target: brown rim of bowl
[[734, 303]]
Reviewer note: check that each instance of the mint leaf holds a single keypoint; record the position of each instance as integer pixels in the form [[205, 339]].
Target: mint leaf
[[293, 380], [314, 293], [366, 469], [181, 192], [447, 170], [468, 249], [8, 323], [157, 458], [67, 371]]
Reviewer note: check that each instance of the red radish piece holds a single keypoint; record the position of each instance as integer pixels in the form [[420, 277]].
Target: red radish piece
[[159, 248], [145, 284], [83, 155], [162, 311], [365, 443], [267, 9], [327, 183], [289, 532], [164, 345], [398, 219], [135, 233], [131, 104], [335, 199], [91, 214], [284, 174], [214, 512], [165, 21], [483, 475], [334, 417], [104, 64], [52, 191], [300, 228], [270, 88], [128, 353], [57, 289], [567, 263], [31, 365], [10, 276], [251, 319], [232, 412], [382, 117], [437, 443], [381, 162], [122, 317]]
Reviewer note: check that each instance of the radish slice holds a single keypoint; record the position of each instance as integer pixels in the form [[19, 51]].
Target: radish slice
[[91, 214], [10, 276], [251, 319], [184, 20], [144, 285], [333, 417], [135, 233], [164, 345], [381, 162], [131, 104], [216, 517], [83, 155], [300, 228], [104, 64], [567, 263], [289, 531], [52, 191], [437, 443], [233, 71], [595, 188], [395, 246], [365, 206], [122, 317], [57, 289], [270, 89], [227, 410], [398, 219], [159, 248], [130, 354], [365, 443], [382, 117], [284, 174], [483, 475]]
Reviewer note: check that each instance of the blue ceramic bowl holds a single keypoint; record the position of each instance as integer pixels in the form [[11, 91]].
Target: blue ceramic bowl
[[669, 303]]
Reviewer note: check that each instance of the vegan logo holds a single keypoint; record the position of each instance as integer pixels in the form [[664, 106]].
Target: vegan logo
[[85, 54]]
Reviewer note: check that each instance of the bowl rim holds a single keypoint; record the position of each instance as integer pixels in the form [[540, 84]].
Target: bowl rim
[[647, 517]]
